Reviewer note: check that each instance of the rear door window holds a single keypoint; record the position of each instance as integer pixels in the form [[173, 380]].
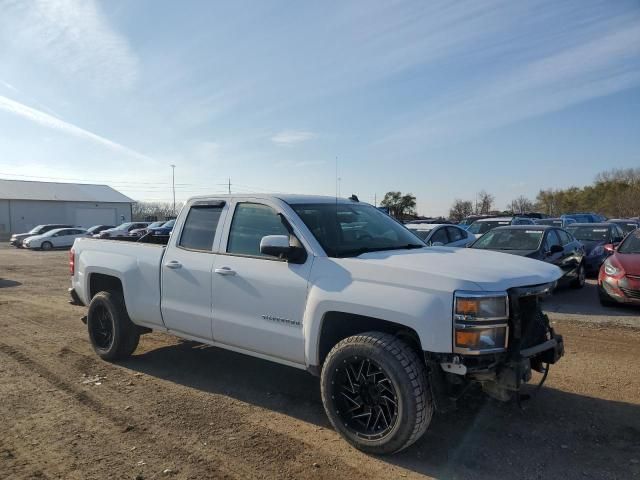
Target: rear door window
[[440, 236], [200, 227]]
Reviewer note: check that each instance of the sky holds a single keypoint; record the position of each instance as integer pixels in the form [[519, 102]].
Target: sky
[[439, 99]]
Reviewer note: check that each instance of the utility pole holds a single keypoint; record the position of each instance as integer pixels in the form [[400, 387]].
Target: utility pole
[[229, 186], [173, 184], [375, 199]]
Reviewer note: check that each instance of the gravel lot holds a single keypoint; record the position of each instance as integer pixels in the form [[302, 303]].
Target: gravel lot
[[183, 410]]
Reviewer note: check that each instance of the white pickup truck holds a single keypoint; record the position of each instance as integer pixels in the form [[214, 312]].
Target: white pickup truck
[[394, 329]]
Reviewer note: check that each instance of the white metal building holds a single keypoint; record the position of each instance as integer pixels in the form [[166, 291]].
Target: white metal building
[[25, 204]]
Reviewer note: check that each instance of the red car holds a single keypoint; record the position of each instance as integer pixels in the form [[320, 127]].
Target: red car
[[619, 277]]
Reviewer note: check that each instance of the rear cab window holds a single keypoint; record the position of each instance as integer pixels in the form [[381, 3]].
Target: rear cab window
[[200, 227]]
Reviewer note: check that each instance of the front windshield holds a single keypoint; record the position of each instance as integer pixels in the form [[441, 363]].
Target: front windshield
[[156, 224], [123, 226], [422, 233], [590, 234], [352, 229], [631, 244], [36, 230], [510, 239], [483, 227], [627, 226], [169, 224]]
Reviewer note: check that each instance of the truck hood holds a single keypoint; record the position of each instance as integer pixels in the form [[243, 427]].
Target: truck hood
[[462, 267]]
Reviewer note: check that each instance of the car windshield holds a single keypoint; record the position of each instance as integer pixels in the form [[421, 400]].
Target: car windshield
[[169, 224], [345, 230], [627, 226], [483, 227], [510, 239], [156, 224], [423, 233], [123, 226], [631, 244], [590, 234], [36, 230]]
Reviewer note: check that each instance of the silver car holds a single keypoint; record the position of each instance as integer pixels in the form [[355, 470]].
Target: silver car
[[442, 235], [58, 238]]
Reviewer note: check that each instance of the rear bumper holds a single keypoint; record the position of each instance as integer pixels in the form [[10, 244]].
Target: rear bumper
[[74, 298]]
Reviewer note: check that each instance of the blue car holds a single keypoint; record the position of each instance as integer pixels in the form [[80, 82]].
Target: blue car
[[165, 229], [594, 236], [585, 217]]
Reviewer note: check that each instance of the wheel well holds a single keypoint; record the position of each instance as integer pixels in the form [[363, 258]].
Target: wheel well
[[337, 326], [99, 282]]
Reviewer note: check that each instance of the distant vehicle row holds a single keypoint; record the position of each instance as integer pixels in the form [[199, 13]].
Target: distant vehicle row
[[50, 236]]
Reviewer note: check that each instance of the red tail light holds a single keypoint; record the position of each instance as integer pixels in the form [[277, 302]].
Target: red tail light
[[72, 262]]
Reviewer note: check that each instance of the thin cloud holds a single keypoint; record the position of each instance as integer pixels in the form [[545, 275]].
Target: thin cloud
[[73, 37], [49, 121], [291, 137]]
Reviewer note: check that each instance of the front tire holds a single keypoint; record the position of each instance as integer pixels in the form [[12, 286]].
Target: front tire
[[375, 392], [46, 246], [581, 278], [112, 334], [605, 299]]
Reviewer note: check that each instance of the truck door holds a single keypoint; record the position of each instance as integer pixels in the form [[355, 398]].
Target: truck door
[[258, 300], [186, 271]]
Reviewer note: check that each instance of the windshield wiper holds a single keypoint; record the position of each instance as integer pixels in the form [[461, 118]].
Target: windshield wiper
[[359, 251]]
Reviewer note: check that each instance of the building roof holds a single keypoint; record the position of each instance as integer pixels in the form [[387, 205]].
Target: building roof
[[69, 192]]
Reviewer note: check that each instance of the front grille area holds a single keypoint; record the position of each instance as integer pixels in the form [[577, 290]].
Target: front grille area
[[528, 326], [635, 294]]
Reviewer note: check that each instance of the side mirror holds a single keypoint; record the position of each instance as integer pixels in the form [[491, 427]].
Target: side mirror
[[556, 249], [609, 248], [281, 246]]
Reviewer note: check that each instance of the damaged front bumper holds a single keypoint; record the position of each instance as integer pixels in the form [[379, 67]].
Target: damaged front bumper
[[532, 344]]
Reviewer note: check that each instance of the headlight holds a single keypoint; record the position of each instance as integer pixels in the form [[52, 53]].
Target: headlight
[[480, 322], [473, 307], [610, 269], [599, 250]]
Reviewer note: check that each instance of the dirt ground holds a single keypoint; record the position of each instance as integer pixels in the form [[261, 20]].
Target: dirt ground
[[183, 410]]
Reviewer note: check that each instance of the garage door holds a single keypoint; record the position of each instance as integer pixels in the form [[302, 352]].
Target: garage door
[[88, 217]]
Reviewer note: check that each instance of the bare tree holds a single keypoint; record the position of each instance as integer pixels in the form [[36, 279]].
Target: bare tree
[[484, 202], [159, 210], [460, 209], [521, 205]]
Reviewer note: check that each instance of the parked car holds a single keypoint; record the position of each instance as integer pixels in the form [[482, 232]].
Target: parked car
[[585, 217], [541, 242], [58, 238], [466, 222], [122, 230], [138, 232], [98, 228], [482, 226], [619, 277], [337, 288], [556, 222], [441, 234], [164, 229], [626, 224], [17, 238], [594, 236]]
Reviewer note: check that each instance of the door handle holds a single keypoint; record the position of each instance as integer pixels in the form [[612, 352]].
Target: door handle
[[225, 271], [173, 264]]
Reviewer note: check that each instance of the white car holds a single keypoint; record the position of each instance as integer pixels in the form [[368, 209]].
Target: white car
[[335, 287], [438, 235], [483, 225], [58, 238]]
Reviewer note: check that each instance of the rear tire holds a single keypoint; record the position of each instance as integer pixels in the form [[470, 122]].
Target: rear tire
[[112, 334], [375, 392], [46, 246], [581, 278]]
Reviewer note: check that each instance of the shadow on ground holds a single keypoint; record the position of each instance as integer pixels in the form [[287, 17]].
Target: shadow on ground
[[558, 434], [585, 302], [6, 283]]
